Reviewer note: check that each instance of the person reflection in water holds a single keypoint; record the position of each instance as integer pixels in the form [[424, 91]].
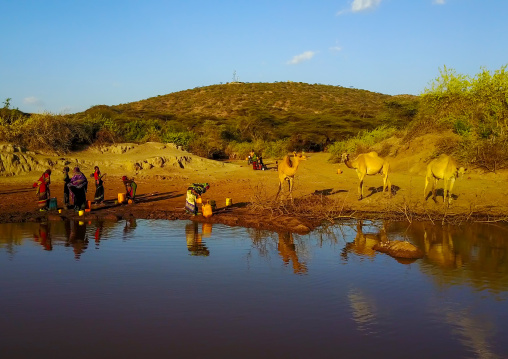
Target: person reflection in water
[[78, 239], [44, 237], [98, 233], [287, 250], [130, 226], [195, 243]]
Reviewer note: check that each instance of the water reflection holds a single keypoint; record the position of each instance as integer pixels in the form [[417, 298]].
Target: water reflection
[[43, 237], [363, 310], [474, 331], [130, 226], [364, 242], [287, 251], [77, 239], [437, 307], [475, 254], [195, 243]]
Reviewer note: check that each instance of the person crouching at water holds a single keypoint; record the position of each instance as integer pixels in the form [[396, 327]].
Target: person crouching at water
[[43, 193], [78, 186], [66, 180], [130, 187], [99, 185], [193, 193]]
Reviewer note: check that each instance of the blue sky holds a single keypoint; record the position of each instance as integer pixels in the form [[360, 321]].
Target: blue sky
[[66, 56]]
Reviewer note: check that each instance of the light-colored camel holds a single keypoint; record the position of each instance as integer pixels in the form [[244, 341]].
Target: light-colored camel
[[287, 169], [369, 164], [445, 168]]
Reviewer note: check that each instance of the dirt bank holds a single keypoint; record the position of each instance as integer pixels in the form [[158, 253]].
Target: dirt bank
[[163, 174]]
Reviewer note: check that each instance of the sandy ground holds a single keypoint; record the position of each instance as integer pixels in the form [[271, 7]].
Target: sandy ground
[[162, 187]]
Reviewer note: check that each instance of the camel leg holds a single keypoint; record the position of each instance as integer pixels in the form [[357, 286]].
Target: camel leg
[[386, 182], [280, 187], [425, 188], [445, 190], [290, 179], [387, 186], [434, 185], [452, 182], [360, 186]]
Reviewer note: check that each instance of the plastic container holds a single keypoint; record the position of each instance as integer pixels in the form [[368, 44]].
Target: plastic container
[[229, 202], [81, 213], [199, 200], [121, 198], [52, 203], [207, 210]]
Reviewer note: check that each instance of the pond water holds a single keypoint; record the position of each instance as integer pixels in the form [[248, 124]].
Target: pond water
[[181, 289]]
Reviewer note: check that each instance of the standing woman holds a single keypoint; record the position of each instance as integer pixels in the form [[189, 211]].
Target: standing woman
[[78, 186], [99, 185], [66, 179], [42, 193]]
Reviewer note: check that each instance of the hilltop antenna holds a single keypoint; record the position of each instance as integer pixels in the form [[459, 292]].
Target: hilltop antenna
[[235, 78]]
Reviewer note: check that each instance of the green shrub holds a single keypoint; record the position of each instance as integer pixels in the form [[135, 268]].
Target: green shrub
[[361, 143]]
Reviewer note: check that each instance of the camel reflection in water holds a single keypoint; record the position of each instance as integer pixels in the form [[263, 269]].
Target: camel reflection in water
[[265, 243], [364, 242], [475, 254], [195, 243], [287, 251]]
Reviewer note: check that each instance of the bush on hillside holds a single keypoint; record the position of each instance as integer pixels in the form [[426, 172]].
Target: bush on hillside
[[476, 108], [361, 143], [46, 132]]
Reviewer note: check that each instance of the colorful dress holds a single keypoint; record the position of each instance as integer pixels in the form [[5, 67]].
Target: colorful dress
[[193, 192], [99, 187], [66, 179], [78, 186], [131, 188], [43, 193]]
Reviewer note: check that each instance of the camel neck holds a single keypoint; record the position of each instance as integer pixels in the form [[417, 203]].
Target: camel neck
[[349, 164]]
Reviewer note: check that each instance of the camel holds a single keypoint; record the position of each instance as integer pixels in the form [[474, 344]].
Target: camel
[[287, 169], [445, 168], [369, 164]]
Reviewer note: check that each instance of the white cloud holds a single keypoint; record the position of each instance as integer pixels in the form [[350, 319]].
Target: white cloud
[[335, 48], [363, 5], [33, 101], [440, 2], [307, 55]]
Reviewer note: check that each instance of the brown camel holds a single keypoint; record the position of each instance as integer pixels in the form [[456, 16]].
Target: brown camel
[[287, 169], [369, 164], [445, 168]]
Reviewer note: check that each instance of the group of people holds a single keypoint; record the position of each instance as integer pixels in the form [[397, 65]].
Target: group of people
[[256, 161], [75, 188]]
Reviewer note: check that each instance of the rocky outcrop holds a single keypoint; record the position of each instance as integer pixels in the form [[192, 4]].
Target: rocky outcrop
[[399, 249]]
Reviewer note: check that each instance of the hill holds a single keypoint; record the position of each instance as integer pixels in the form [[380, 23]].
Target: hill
[[311, 116]]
